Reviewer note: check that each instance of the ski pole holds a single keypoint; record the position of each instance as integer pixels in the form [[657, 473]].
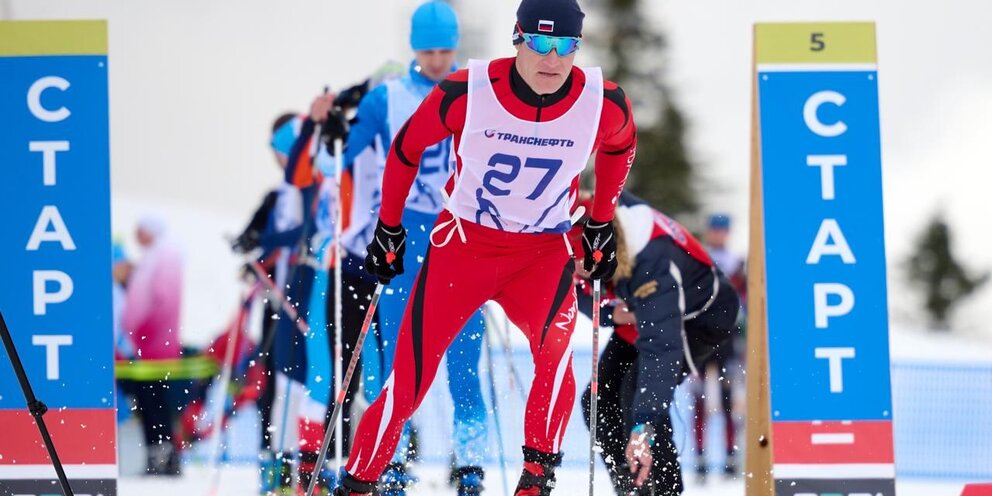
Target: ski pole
[[339, 400], [220, 398], [288, 391], [290, 310], [492, 392], [37, 408], [266, 346], [508, 351], [301, 326], [594, 396], [338, 222], [514, 379]]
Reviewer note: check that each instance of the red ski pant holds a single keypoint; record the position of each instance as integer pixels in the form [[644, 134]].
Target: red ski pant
[[530, 276]]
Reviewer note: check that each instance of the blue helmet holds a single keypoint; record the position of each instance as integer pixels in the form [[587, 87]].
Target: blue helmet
[[434, 26]]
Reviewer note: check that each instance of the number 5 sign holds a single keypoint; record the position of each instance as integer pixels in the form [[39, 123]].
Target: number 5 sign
[[823, 420]]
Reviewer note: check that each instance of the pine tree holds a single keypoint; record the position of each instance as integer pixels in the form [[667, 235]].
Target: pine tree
[[634, 57], [934, 269]]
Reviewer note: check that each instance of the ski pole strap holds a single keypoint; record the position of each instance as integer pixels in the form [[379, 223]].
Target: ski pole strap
[[37, 408], [178, 369]]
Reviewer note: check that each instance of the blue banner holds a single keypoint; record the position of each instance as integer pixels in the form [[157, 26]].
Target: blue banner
[[55, 249], [824, 242]]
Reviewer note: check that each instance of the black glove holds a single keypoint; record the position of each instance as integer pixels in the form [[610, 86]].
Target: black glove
[[335, 127], [246, 242], [385, 252], [350, 97], [600, 246]]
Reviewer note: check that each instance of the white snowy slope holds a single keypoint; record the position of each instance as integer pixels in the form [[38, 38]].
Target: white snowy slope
[[918, 345], [212, 290], [241, 481]]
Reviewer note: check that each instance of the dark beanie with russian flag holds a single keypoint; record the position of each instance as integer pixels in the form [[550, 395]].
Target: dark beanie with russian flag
[[550, 17]]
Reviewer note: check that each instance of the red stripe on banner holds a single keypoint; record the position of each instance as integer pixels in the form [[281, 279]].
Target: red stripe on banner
[[977, 490], [861, 441], [79, 435]]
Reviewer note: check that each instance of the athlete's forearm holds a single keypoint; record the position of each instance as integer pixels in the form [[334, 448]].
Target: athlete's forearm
[[396, 183], [611, 175]]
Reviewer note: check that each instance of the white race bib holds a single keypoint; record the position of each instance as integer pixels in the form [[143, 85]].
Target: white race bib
[[425, 195], [517, 175]]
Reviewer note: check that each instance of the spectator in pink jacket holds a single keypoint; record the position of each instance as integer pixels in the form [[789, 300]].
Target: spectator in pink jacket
[[154, 294], [151, 318]]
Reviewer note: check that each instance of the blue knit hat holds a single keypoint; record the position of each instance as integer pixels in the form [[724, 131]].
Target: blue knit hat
[[550, 17], [434, 26], [719, 221]]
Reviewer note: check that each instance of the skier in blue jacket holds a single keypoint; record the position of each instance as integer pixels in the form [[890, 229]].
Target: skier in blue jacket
[[381, 113]]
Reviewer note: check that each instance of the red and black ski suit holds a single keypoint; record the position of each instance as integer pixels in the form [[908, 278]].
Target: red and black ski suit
[[529, 275]]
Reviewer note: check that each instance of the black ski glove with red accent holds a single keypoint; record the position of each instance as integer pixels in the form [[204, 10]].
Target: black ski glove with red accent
[[385, 252], [600, 246]]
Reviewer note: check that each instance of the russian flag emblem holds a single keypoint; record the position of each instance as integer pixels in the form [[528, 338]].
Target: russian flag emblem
[[545, 26]]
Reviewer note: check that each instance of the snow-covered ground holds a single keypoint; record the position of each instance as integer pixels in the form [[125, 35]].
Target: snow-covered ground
[[240, 480], [924, 444], [212, 289], [908, 343]]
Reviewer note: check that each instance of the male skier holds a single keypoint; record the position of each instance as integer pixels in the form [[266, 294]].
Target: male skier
[[523, 128]]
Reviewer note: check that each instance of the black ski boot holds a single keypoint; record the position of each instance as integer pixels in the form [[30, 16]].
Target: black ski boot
[[469, 480], [396, 479], [163, 460], [730, 467], [351, 486], [286, 481], [538, 476], [701, 469]]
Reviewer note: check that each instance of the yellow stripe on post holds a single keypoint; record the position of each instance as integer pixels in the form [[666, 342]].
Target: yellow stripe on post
[[27, 38], [815, 43]]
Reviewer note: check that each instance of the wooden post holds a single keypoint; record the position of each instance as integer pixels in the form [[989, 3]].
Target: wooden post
[[758, 466], [798, 69]]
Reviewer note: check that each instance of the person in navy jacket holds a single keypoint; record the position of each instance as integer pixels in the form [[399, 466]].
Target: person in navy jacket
[[671, 307]]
